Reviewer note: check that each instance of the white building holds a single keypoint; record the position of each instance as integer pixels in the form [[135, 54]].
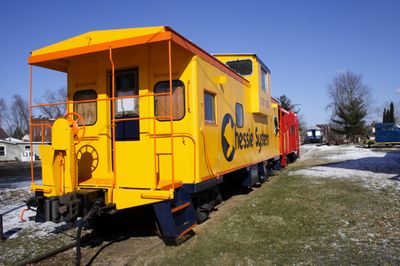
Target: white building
[[17, 150]]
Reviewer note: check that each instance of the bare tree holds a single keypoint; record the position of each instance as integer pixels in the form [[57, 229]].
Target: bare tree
[[18, 117], [350, 99], [3, 110], [53, 96]]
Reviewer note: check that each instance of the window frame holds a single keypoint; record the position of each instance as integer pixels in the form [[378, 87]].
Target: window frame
[[184, 99], [236, 115], [95, 102], [121, 133], [4, 151], [213, 94], [264, 79], [120, 72], [241, 60]]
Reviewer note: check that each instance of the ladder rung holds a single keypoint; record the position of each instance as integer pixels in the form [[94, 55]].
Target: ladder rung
[[180, 207]]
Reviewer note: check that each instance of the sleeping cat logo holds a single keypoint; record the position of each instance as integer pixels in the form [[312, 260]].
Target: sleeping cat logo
[[228, 137]]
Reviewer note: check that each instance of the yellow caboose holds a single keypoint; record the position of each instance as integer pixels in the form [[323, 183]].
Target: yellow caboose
[[152, 119]]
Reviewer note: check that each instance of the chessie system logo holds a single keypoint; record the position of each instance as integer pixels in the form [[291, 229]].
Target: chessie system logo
[[233, 138]]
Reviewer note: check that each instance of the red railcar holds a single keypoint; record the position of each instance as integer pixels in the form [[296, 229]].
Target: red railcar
[[289, 136]]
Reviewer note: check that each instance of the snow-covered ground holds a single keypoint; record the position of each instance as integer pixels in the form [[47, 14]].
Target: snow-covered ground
[[15, 181], [376, 168], [11, 206]]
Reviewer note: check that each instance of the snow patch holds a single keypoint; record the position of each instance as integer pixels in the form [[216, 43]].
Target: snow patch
[[376, 169], [13, 226]]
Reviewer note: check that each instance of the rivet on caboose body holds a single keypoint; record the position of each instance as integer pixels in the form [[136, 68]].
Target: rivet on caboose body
[[153, 119]]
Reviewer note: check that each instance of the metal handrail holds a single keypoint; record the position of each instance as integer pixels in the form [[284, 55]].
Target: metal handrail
[[113, 98]]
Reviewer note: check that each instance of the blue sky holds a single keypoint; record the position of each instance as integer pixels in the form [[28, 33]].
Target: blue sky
[[304, 43]]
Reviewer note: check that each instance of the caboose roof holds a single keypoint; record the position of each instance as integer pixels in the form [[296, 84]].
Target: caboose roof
[[57, 56], [245, 55]]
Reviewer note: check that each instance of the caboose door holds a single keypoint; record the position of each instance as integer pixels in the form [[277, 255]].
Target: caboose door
[[133, 158]]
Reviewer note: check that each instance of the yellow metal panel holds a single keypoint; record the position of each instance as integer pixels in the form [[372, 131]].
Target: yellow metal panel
[[250, 144], [274, 130], [135, 167], [61, 134], [46, 156], [97, 37], [260, 99], [127, 198]]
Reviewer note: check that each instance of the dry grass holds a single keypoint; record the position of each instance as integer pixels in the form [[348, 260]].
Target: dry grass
[[296, 220]]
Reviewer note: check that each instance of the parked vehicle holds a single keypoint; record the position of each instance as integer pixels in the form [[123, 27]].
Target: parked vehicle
[[314, 135], [387, 133]]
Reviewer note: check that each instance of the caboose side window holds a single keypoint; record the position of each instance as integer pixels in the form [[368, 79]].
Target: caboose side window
[[209, 107], [239, 115], [242, 67], [161, 102], [264, 81], [88, 111]]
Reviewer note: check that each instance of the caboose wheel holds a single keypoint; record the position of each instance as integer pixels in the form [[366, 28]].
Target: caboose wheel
[[201, 215]]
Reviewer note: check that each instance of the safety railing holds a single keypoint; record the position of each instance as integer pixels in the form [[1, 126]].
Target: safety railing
[[68, 103]]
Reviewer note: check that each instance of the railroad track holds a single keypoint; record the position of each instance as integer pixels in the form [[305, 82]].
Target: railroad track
[[43, 257]]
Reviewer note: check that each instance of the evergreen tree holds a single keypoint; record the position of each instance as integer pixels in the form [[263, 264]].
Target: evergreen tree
[[388, 114], [350, 98], [287, 104], [349, 119], [384, 116], [391, 113]]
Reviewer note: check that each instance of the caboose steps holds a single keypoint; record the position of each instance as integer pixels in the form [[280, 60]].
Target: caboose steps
[[176, 217], [180, 207]]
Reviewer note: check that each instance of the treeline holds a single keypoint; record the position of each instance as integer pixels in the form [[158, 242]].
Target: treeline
[[350, 102], [388, 115], [14, 115]]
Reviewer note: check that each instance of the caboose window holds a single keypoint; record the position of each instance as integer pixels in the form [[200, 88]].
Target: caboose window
[[264, 81], [209, 107], [239, 115], [127, 84], [242, 67], [87, 110], [161, 102]]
